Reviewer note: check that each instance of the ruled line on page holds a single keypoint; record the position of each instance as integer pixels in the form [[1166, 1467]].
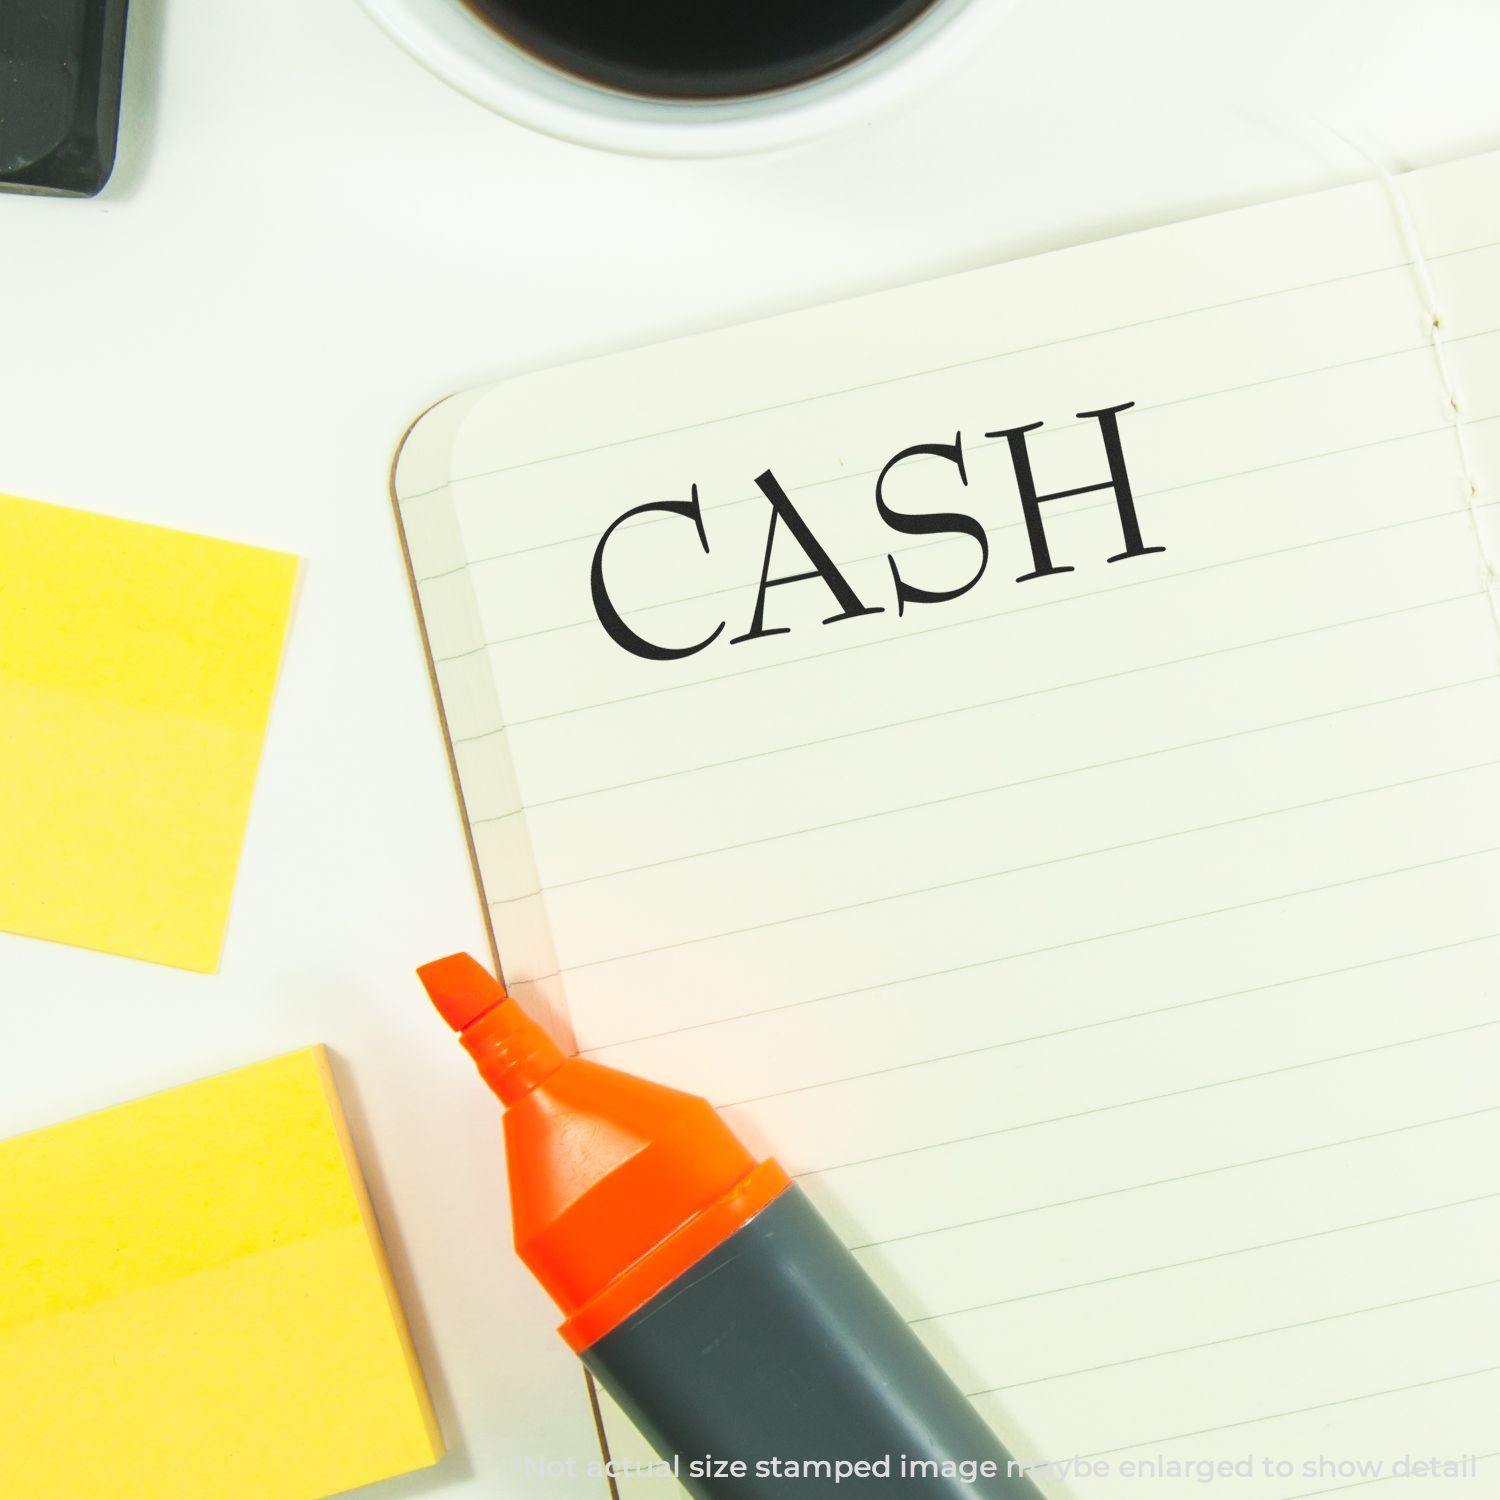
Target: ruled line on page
[[1296, 1411], [1200, 1260], [967, 708], [1001, 958], [901, 638], [1076, 338], [1359, 1484], [963, 623], [984, 791], [1238, 1338], [1286, 463], [1136, 1187], [1105, 1109], [1044, 1036], [1030, 867], [972, 446], [989, 531]]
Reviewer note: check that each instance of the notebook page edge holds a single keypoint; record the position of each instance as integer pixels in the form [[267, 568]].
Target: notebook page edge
[[393, 489]]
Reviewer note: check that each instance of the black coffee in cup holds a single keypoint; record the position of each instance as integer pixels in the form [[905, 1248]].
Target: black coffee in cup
[[698, 49]]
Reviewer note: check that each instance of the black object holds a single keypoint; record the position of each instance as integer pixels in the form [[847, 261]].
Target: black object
[[698, 49], [777, 1346], [60, 67]]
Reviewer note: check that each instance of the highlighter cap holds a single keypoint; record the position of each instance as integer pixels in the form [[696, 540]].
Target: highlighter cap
[[617, 1185]]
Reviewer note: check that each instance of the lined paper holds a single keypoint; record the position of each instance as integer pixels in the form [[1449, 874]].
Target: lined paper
[[1110, 955]]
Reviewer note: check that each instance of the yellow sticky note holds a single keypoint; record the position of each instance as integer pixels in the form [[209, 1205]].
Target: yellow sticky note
[[136, 671], [194, 1302]]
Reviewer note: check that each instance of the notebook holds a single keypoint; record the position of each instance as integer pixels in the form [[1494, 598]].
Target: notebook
[[1027, 746]]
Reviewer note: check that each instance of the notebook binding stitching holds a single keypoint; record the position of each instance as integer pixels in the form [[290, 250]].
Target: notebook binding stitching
[[1433, 319]]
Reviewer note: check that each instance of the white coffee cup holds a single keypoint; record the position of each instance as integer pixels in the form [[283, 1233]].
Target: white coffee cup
[[448, 38]]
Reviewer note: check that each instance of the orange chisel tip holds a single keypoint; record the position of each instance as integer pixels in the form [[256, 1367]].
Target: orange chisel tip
[[461, 988]]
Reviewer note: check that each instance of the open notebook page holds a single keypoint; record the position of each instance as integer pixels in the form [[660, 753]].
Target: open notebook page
[[1112, 954]]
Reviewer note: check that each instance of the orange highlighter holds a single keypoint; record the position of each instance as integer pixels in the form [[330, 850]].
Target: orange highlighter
[[704, 1291]]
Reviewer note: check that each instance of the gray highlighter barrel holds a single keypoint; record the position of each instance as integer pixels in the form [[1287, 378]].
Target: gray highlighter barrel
[[775, 1349]]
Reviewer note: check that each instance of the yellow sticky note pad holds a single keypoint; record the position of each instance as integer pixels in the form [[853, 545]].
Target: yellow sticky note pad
[[136, 671], [194, 1302]]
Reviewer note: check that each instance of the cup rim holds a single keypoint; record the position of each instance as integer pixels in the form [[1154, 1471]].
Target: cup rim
[[452, 42]]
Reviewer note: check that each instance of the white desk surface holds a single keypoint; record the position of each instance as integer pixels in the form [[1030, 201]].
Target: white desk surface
[[308, 239]]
